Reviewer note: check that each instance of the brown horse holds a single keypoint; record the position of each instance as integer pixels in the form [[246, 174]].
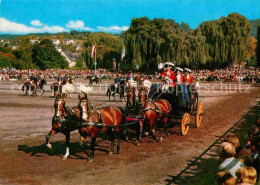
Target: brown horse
[[64, 121], [130, 96], [142, 95], [153, 111], [101, 120]]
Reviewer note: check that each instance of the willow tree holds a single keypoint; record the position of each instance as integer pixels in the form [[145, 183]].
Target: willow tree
[[258, 46], [109, 48], [213, 44]]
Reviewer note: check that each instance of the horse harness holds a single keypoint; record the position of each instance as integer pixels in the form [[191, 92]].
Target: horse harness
[[100, 123], [157, 110]]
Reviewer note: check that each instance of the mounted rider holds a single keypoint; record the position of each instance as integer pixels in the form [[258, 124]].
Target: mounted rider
[[117, 81], [33, 79], [59, 79]]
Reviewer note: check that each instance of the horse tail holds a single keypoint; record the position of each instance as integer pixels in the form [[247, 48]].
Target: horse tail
[[23, 87]]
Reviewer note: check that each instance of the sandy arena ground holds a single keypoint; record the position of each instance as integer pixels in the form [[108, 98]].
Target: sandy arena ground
[[25, 120]]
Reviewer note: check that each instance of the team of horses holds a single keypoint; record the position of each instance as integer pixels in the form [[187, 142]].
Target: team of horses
[[89, 121]]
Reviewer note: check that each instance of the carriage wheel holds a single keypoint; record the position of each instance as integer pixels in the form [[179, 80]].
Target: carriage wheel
[[185, 124], [199, 114]]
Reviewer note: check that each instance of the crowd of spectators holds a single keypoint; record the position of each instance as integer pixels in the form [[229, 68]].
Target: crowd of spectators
[[240, 165], [233, 74]]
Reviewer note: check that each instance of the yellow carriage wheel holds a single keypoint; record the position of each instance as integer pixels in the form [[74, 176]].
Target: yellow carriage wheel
[[199, 114], [185, 124]]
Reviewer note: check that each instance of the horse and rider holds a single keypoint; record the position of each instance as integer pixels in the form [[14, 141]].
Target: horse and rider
[[36, 82], [95, 78], [119, 87]]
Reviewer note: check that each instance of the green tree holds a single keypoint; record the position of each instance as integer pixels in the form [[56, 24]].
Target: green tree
[[24, 53], [109, 47], [45, 56], [258, 47]]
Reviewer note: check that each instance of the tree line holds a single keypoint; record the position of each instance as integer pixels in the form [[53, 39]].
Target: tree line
[[42, 56], [214, 44]]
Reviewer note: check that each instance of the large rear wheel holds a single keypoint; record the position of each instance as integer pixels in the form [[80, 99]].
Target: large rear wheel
[[185, 124], [199, 114]]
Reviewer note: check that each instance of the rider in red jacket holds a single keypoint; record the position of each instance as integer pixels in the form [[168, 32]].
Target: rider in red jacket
[[168, 72], [188, 76]]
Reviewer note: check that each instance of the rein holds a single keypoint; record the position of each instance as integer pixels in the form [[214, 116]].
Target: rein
[[157, 110]]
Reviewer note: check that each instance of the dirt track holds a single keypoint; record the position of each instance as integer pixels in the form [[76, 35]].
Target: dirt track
[[25, 120]]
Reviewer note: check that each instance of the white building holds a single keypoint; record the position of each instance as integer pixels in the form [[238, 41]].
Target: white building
[[69, 41], [78, 47], [69, 59], [55, 41], [14, 47], [34, 41]]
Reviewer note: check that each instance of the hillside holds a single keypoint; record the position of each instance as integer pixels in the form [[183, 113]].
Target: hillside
[[254, 23]]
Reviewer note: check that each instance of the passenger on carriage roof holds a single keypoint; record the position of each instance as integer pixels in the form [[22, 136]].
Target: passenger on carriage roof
[[169, 73], [180, 78], [188, 77]]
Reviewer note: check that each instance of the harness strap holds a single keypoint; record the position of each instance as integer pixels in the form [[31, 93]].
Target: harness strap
[[100, 119], [157, 110]]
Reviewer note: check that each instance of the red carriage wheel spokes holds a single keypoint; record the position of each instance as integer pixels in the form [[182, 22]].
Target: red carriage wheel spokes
[[185, 124], [199, 114]]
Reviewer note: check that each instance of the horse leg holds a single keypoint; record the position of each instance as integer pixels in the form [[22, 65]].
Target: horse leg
[[152, 128], [112, 139], [93, 144], [118, 142], [51, 133], [81, 144], [109, 95], [139, 132], [67, 146], [125, 131], [164, 120]]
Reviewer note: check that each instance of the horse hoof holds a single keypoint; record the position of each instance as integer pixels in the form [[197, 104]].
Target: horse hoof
[[146, 134], [90, 160], [64, 158], [161, 139], [138, 144], [110, 153], [49, 146]]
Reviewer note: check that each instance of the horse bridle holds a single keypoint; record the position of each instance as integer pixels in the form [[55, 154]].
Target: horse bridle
[[84, 111], [140, 94], [131, 92], [59, 117]]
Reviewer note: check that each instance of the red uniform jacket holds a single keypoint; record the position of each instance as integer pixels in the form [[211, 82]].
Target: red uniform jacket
[[171, 76], [190, 81]]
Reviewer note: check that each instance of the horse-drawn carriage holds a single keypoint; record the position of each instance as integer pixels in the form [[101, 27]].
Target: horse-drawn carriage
[[180, 111], [156, 103], [176, 113]]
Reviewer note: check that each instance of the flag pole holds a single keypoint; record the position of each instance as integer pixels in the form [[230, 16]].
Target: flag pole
[[95, 61]]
